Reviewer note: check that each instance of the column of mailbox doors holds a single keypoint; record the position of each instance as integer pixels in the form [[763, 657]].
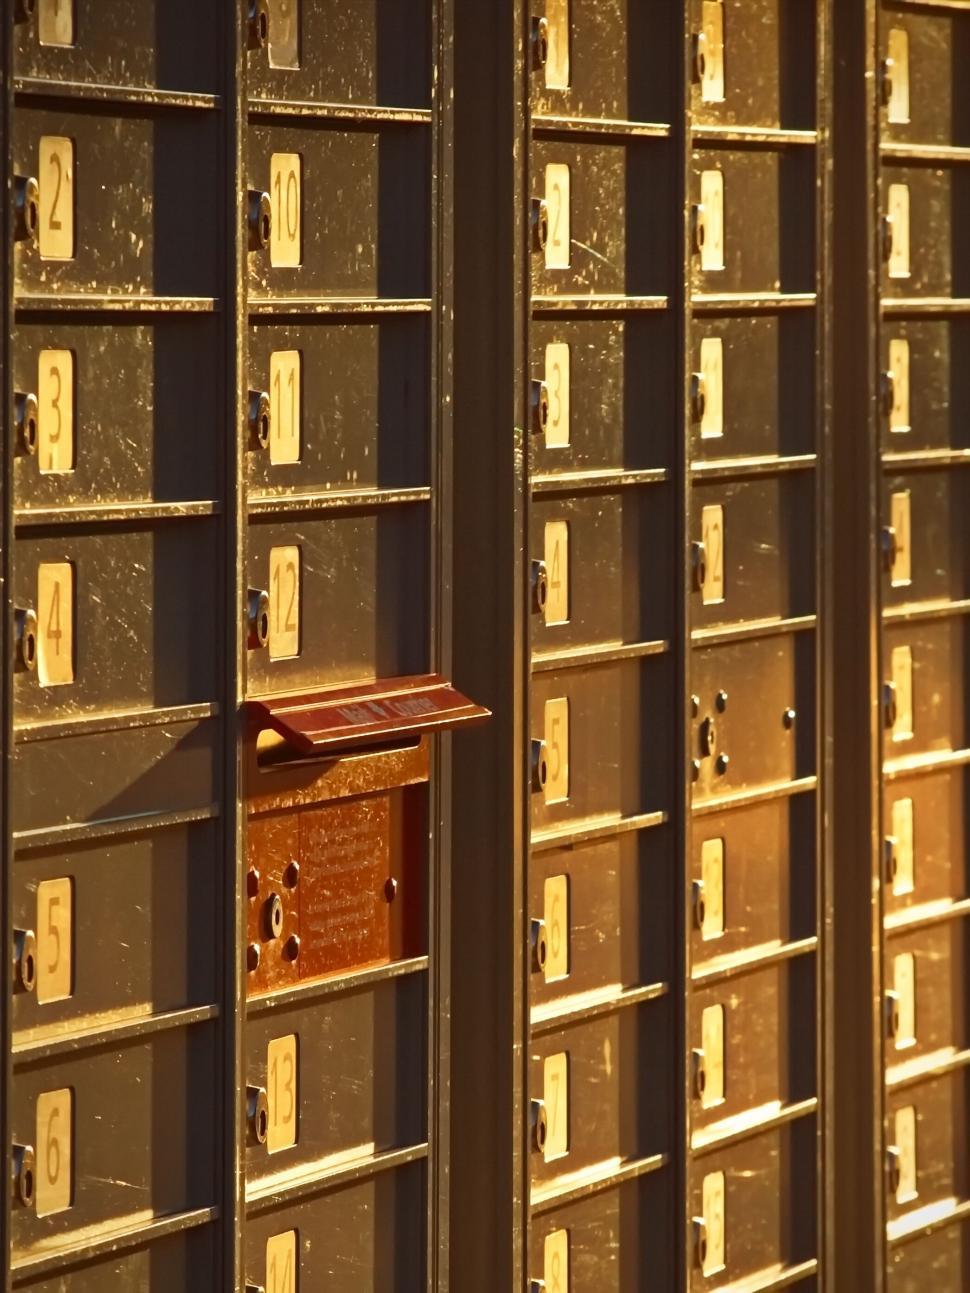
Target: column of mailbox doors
[[923, 134], [754, 363], [113, 874], [125, 305], [602, 350], [342, 539]]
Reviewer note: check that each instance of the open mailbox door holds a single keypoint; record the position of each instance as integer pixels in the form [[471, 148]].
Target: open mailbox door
[[337, 825]]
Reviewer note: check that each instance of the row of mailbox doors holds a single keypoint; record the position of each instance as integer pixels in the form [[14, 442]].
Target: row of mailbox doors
[[121, 861]]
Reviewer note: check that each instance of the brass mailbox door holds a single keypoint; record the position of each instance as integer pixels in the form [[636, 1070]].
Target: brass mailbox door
[[920, 469], [754, 421], [342, 451]]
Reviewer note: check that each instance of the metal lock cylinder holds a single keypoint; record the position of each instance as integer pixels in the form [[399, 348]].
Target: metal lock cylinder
[[27, 417], [698, 397], [24, 1175], [889, 706], [698, 558], [540, 945], [540, 1125], [698, 1072], [258, 618], [540, 224], [25, 631], [890, 547], [539, 400], [257, 1114], [260, 424], [540, 586], [540, 43], [25, 960], [700, 1241], [259, 219], [258, 24], [540, 765], [27, 209]]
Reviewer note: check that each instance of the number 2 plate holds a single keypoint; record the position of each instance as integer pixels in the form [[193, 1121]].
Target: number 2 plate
[[56, 179], [557, 203]]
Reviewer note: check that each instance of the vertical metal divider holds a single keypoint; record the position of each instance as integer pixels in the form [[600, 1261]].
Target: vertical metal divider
[[489, 790], [6, 704], [442, 566], [857, 1128], [681, 304], [235, 100], [825, 664], [520, 1154]]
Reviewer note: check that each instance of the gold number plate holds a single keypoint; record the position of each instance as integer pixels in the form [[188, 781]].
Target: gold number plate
[[286, 194], [557, 202], [904, 983], [712, 373], [898, 71], [55, 927], [905, 877], [714, 1208], [899, 414], [55, 22], [902, 672], [712, 528], [712, 877], [55, 1134], [556, 734], [899, 216], [555, 901], [282, 1091], [557, 59], [284, 33], [557, 567], [557, 381], [712, 81], [712, 203], [55, 614], [55, 421], [555, 1088], [281, 1263], [899, 509], [56, 179], [285, 372], [712, 1043], [555, 1261], [905, 1130], [284, 602]]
